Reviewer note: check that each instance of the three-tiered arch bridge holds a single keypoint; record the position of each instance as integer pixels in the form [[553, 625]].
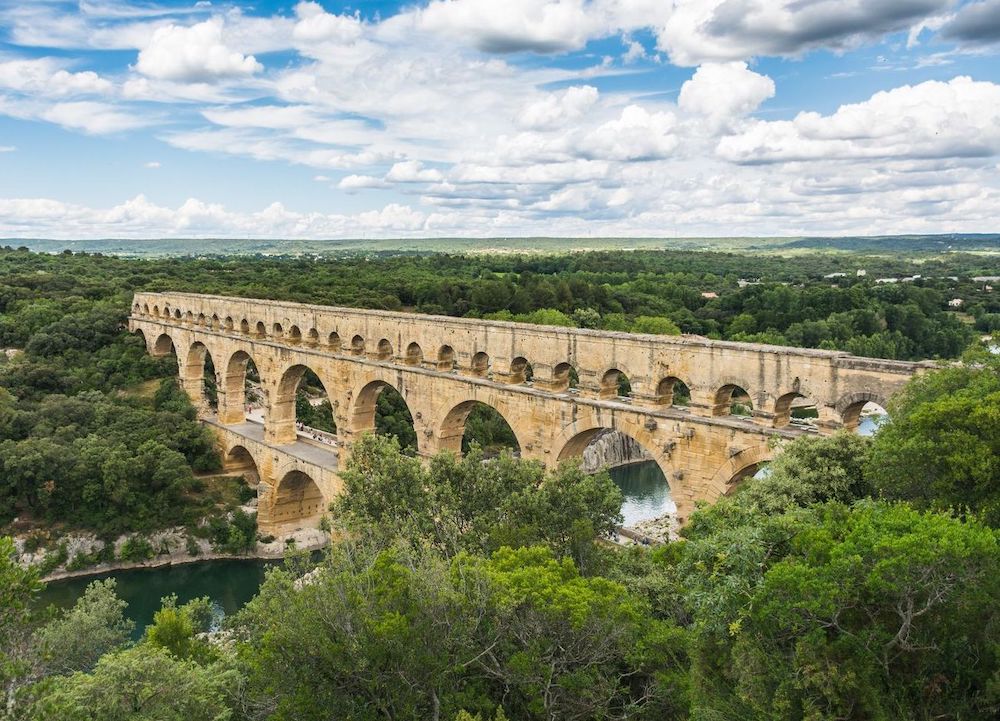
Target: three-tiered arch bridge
[[557, 388]]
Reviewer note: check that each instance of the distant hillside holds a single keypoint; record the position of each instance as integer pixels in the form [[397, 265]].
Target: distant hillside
[[910, 244]]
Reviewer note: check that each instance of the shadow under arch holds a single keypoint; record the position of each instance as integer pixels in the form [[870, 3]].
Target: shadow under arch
[[239, 460], [475, 421], [297, 498], [379, 407]]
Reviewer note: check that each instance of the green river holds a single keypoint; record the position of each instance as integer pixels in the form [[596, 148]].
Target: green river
[[231, 583]]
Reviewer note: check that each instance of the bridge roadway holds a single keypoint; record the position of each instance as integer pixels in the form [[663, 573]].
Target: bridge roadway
[[443, 367]]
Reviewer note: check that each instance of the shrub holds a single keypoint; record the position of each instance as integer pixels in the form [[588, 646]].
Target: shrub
[[136, 549]]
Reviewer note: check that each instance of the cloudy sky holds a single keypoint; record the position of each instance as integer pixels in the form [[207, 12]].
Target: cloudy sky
[[498, 118]]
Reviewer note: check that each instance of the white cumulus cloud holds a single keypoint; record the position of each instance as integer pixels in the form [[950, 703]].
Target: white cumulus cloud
[[194, 53], [722, 91]]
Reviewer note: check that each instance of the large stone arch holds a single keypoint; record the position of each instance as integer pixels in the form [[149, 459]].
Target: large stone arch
[[232, 388], [296, 498], [363, 402], [574, 438], [849, 406], [161, 345], [280, 422], [451, 428], [239, 459], [194, 370], [738, 467]]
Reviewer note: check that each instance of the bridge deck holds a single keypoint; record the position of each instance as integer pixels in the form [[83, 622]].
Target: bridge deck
[[319, 454]]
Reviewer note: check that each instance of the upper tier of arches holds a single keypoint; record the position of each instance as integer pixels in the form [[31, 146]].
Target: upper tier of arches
[[622, 374]]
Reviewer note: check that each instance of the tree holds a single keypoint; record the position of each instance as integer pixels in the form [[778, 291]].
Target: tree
[[557, 645], [373, 633], [657, 326], [18, 587], [941, 446], [834, 612], [810, 470], [95, 625], [141, 684]]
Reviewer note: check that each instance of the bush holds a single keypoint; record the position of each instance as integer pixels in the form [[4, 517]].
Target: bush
[[236, 535], [53, 560], [136, 549]]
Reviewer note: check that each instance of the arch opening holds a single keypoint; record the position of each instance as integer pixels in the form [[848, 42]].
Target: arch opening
[[797, 410], [672, 391], [864, 418], [294, 335], [260, 330], [201, 381], [446, 358], [333, 342], [244, 395], [752, 470], [145, 308], [564, 377], [474, 422], [156, 310], [312, 338], [615, 384], [302, 408], [414, 355], [177, 314], [480, 366], [381, 409], [383, 350], [277, 332], [357, 345], [163, 346], [239, 460], [732, 400], [296, 499], [648, 508], [520, 371], [216, 323]]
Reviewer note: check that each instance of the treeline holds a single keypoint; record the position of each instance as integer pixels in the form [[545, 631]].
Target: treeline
[[856, 581], [770, 298]]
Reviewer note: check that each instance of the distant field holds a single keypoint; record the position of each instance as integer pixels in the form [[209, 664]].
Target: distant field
[[907, 244]]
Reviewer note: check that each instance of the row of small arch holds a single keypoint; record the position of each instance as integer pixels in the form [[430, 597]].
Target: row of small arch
[[520, 370]]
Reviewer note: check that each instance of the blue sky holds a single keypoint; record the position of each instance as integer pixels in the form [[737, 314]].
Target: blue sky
[[481, 118]]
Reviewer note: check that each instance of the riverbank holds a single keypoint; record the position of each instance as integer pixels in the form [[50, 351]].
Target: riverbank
[[174, 547]]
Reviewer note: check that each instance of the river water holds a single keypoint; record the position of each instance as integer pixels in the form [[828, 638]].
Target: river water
[[229, 583], [646, 492]]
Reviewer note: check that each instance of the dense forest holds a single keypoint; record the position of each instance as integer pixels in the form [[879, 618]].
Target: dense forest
[[857, 580]]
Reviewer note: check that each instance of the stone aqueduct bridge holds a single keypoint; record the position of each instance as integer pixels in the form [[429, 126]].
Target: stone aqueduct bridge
[[443, 366]]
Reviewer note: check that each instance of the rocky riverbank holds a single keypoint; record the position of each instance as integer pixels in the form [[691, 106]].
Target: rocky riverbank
[[654, 530], [172, 546]]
